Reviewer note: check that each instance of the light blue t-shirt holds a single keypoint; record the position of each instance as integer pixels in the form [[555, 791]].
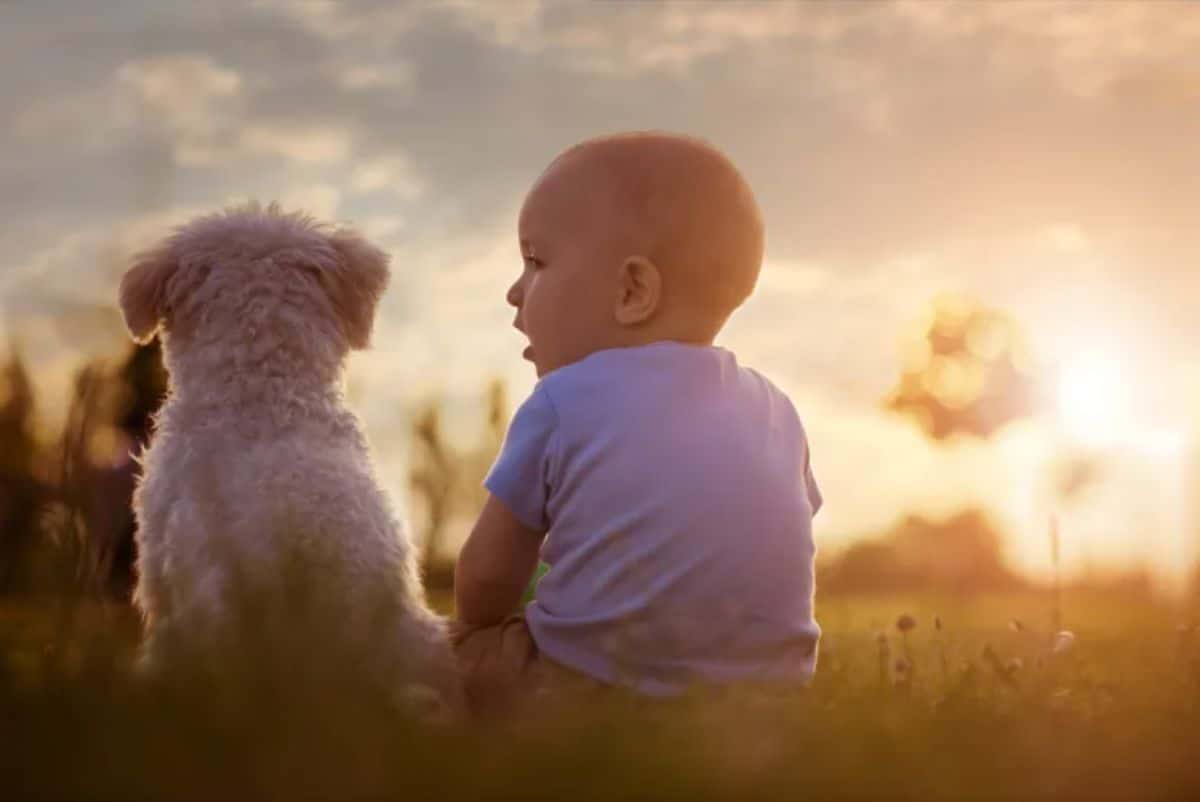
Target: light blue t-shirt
[[677, 496]]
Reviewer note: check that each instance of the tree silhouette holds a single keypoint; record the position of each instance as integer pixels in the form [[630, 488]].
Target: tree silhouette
[[966, 375], [22, 496], [87, 544], [961, 553], [449, 481], [138, 388]]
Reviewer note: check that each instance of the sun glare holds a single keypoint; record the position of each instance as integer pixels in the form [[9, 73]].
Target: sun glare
[[1093, 400], [1096, 409]]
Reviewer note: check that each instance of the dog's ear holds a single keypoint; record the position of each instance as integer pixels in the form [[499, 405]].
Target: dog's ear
[[143, 291], [357, 284]]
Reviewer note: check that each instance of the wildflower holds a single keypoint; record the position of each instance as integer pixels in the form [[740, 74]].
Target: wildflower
[[884, 654], [905, 624], [941, 646], [902, 676], [1064, 641], [997, 665]]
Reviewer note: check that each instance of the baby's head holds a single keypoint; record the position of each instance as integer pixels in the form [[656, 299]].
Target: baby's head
[[632, 239]]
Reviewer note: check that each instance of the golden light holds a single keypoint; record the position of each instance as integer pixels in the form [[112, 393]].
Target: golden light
[[1094, 400]]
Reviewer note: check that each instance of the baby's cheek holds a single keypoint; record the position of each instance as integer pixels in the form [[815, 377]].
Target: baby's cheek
[[544, 330], [539, 311]]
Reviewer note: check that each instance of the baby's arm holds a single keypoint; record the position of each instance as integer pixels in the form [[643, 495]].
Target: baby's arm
[[494, 566]]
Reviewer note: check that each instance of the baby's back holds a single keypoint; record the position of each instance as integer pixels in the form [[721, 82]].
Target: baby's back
[[678, 499]]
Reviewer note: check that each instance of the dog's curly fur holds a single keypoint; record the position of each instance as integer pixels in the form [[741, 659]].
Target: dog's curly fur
[[257, 466]]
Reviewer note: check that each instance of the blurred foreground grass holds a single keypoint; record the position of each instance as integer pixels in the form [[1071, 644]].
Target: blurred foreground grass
[[983, 707]]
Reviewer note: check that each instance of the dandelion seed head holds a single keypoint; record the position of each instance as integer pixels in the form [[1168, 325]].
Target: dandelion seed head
[[1064, 641]]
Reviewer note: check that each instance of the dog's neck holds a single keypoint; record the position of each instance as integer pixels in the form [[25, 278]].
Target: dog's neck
[[270, 389], [275, 385]]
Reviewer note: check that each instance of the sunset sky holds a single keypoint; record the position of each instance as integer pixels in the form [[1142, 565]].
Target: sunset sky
[[1042, 157]]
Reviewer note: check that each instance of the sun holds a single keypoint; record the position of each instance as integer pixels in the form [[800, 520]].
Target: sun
[[1094, 399]]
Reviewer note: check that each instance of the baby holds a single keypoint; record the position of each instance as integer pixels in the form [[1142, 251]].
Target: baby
[[668, 487]]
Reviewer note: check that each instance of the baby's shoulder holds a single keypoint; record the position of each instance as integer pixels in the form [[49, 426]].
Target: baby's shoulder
[[588, 379], [767, 389]]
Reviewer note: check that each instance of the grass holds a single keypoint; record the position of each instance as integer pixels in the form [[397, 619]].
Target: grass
[[981, 708]]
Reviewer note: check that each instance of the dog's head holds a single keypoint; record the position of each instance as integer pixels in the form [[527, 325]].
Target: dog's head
[[256, 273]]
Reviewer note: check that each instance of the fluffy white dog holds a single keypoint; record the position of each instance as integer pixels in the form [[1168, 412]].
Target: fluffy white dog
[[258, 475]]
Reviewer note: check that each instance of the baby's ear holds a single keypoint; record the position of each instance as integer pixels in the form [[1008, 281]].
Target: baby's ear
[[143, 291], [639, 293], [357, 284]]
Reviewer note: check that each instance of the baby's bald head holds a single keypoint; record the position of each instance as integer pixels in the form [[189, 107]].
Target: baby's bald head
[[633, 239], [679, 203]]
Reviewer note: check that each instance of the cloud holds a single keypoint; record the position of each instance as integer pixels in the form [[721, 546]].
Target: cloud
[[393, 76], [86, 264], [187, 99], [517, 23], [320, 200], [635, 38], [184, 99], [395, 173], [82, 117], [383, 228], [61, 299], [313, 145], [183, 90], [1087, 50], [618, 38], [376, 21], [196, 105]]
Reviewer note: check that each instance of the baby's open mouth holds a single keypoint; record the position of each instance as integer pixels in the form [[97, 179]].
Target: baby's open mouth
[[528, 353]]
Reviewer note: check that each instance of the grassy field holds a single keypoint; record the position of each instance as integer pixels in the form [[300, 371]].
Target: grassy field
[[979, 699]]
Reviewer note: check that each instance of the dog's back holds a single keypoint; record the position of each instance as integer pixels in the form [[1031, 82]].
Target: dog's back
[[259, 515]]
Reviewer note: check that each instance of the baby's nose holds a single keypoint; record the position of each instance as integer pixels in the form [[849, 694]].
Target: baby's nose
[[513, 296]]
